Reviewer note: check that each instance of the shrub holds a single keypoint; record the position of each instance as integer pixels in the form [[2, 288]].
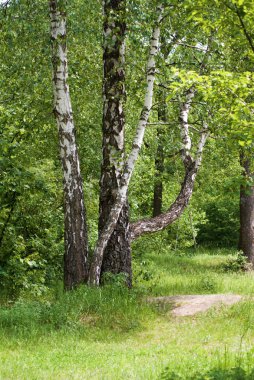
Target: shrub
[[237, 263]]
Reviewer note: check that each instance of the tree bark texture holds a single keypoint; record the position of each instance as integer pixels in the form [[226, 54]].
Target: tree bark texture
[[191, 165], [163, 220], [75, 236], [117, 255], [159, 157], [246, 238], [121, 196]]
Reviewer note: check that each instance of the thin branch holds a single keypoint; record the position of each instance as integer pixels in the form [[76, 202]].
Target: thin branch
[[190, 46], [160, 123], [235, 9], [246, 33], [207, 51]]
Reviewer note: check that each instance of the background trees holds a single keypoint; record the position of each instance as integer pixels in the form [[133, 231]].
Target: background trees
[[234, 22]]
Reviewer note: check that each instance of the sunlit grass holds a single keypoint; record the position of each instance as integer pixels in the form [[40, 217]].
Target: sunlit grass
[[111, 333], [198, 273]]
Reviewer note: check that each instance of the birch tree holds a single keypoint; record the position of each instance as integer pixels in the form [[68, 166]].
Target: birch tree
[[191, 164], [116, 174], [95, 270], [76, 247], [117, 255]]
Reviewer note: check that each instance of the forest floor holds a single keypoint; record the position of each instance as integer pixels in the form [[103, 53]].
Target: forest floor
[[113, 333]]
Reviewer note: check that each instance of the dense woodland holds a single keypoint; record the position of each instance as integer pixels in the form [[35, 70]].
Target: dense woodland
[[200, 105], [126, 174]]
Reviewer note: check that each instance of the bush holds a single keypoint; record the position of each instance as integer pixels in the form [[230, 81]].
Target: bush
[[237, 263]]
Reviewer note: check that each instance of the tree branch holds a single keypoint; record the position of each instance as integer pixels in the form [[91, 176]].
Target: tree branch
[[246, 33]]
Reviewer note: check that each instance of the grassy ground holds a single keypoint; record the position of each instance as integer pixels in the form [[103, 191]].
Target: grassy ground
[[111, 333]]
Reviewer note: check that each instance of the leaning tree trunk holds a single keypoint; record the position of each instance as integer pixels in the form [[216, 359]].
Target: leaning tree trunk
[[191, 165], [246, 238], [76, 247], [117, 255], [159, 222]]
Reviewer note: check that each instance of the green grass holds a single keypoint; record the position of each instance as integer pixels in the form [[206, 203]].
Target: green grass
[[202, 272], [111, 333]]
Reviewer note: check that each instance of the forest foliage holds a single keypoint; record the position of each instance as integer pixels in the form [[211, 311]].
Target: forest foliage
[[31, 197]]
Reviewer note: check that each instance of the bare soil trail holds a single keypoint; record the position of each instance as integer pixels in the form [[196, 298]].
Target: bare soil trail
[[192, 304]]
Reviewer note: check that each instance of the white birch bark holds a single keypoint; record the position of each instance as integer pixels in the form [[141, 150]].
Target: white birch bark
[[184, 123], [191, 164], [76, 249], [203, 137], [94, 274]]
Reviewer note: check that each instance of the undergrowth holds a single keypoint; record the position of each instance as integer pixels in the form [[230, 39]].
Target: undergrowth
[[235, 373], [111, 332], [111, 307]]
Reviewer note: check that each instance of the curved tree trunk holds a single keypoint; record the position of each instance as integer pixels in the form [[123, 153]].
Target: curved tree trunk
[[246, 239], [75, 235], [117, 255], [163, 220], [191, 165]]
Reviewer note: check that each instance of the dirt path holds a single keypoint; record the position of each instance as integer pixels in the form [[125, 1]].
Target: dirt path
[[191, 305]]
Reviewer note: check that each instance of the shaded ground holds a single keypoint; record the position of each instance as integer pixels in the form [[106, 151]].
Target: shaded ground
[[193, 304]]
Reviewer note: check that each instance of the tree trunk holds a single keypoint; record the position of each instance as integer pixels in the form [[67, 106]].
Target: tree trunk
[[76, 247], [191, 165], [117, 255], [158, 184], [163, 220], [246, 238], [159, 158], [121, 196]]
